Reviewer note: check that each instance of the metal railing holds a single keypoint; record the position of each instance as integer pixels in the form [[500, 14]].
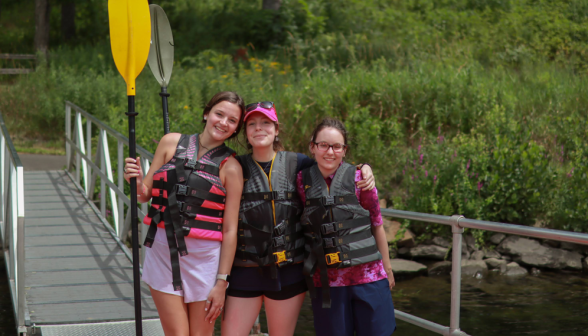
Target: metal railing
[[79, 145], [12, 218], [458, 223]]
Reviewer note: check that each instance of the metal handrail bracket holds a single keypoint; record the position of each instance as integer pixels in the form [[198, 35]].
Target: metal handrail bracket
[[12, 222]]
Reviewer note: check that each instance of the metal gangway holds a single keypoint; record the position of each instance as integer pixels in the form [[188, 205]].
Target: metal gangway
[[49, 299]]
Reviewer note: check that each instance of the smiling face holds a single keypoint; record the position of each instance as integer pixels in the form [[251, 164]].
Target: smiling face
[[222, 120], [260, 130], [328, 161]]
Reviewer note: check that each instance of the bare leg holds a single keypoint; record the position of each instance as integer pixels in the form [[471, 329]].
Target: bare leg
[[173, 313], [199, 327], [282, 315], [240, 314]]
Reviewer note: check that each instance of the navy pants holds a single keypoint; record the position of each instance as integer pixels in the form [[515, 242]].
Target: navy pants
[[366, 310]]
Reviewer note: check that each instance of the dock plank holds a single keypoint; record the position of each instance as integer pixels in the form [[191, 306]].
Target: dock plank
[[118, 261]]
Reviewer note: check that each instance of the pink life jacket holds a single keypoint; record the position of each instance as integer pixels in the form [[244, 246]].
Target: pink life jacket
[[188, 199]]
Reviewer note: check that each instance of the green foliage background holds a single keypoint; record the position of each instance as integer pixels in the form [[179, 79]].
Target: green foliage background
[[476, 107]]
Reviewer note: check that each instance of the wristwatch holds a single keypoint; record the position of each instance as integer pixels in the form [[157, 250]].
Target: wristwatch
[[225, 277]]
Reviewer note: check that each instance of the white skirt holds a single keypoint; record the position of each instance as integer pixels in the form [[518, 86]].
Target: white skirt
[[198, 269]]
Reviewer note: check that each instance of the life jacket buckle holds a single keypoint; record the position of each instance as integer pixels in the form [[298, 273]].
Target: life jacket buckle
[[181, 206], [279, 241], [181, 189], [332, 258], [280, 228], [328, 228], [329, 242], [279, 195], [329, 200], [190, 164], [280, 257]]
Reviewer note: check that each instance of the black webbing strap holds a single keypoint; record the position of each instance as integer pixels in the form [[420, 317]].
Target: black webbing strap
[[269, 259], [344, 240], [198, 224], [332, 227], [156, 217], [184, 190], [328, 228], [331, 200], [174, 212], [268, 196], [173, 252], [192, 207]]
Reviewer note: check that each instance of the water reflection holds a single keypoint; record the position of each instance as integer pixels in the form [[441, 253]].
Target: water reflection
[[554, 304]]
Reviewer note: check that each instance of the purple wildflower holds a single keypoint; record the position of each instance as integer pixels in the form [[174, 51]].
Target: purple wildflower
[[468, 165], [412, 177], [480, 185], [419, 151], [421, 159], [403, 172], [435, 178], [426, 173], [571, 173]]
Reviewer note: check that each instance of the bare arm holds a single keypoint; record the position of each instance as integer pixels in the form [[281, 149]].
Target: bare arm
[[231, 175], [164, 152], [380, 235]]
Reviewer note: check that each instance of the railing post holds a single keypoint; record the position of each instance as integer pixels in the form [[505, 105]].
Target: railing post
[[103, 169], [89, 192], [20, 246], [455, 275], [77, 127], [68, 135], [2, 174]]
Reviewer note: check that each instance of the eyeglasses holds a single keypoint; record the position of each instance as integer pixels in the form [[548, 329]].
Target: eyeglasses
[[324, 146], [264, 104]]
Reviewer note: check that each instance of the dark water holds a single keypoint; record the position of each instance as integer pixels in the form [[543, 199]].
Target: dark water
[[548, 304]]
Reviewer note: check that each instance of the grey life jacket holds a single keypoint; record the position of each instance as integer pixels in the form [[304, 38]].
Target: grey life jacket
[[336, 227], [188, 199], [269, 233]]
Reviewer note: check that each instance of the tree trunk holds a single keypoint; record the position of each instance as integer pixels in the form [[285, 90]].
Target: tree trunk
[[42, 26], [272, 4], [68, 21]]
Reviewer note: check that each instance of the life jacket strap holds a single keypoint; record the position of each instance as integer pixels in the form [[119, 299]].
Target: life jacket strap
[[189, 223], [269, 196], [331, 200], [331, 242], [329, 228]]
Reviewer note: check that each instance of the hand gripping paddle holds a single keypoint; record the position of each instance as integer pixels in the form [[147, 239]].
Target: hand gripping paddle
[[130, 33], [161, 56]]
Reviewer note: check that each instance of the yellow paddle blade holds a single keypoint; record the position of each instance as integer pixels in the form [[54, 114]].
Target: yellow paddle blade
[[130, 38]]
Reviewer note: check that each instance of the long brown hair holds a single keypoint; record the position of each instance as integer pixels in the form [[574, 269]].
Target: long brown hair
[[231, 97]]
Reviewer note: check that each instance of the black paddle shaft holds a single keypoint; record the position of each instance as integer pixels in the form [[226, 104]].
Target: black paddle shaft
[[134, 221], [164, 96]]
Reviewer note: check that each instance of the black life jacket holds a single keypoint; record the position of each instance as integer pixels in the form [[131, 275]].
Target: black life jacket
[[269, 217], [188, 199], [336, 227]]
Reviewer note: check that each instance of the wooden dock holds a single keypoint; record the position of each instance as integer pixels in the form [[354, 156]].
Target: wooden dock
[[78, 276]]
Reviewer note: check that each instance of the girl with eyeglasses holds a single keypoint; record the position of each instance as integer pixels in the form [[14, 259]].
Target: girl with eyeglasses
[[194, 184], [348, 266], [270, 244]]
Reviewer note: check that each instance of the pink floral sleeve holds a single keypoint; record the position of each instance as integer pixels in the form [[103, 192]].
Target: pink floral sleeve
[[369, 201]]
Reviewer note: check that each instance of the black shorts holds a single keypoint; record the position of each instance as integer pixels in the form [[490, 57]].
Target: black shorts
[[286, 293]]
